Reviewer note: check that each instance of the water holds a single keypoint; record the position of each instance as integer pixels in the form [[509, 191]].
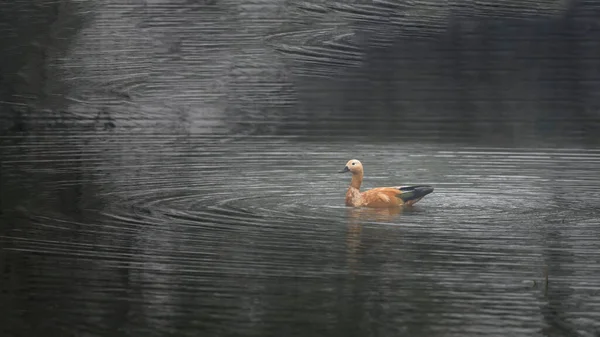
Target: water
[[170, 169], [111, 233]]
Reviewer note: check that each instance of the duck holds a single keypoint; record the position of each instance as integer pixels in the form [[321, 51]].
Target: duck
[[380, 197]]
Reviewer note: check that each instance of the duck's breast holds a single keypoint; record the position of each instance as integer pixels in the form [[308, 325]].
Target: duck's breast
[[353, 197]]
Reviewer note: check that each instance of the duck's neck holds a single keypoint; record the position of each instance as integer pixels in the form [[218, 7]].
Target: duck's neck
[[356, 180]]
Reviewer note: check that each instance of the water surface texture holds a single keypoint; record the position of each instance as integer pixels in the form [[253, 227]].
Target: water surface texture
[[170, 168]]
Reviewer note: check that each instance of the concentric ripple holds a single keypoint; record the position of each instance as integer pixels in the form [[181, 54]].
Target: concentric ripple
[[263, 188], [277, 183]]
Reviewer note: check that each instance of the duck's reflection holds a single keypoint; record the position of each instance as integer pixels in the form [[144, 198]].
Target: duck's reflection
[[356, 218], [362, 214]]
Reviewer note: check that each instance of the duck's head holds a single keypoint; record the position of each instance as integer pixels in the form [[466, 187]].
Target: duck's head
[[353, 166]]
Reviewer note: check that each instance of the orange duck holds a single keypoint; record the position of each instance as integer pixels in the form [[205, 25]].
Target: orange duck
[[381, 196]]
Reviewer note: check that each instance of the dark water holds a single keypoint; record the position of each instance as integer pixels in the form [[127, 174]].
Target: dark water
[[170, 169]]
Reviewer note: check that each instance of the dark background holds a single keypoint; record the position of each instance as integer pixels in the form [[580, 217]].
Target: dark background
[[502, 70]]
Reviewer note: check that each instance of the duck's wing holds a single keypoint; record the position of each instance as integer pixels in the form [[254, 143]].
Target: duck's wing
[[412, 194], [382, 197], [395, 196]]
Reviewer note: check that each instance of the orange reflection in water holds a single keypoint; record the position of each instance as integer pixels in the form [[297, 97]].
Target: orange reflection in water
[[356, 218]]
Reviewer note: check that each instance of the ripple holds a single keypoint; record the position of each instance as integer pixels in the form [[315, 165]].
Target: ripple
[[273, 196]]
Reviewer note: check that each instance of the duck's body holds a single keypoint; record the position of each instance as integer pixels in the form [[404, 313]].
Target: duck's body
[[386, 196], [381, 196]]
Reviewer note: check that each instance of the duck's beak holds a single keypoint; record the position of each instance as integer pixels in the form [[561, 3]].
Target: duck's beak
[[346, 169]]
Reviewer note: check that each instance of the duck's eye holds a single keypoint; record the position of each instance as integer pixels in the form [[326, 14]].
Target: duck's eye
[[353, 164]]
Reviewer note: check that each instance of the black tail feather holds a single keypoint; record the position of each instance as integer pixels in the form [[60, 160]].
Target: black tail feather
[[414, 192]]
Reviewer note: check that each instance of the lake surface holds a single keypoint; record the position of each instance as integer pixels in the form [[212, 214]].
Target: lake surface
[[171, 169], [108, 233]]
